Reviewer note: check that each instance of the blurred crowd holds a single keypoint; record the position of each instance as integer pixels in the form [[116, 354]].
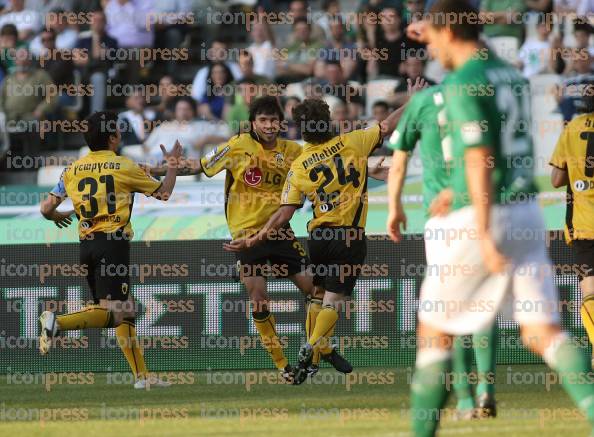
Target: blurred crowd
[[189, 69]]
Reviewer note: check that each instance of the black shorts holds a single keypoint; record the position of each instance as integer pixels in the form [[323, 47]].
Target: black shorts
[[107, 257], [274, 258], [583, 253], [337, 255]]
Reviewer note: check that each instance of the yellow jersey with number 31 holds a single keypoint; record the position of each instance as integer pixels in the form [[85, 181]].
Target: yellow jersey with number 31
[[102, 186], [333, 175], [575, 154]]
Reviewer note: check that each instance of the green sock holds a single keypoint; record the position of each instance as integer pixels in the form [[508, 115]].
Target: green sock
[[428, 390], [485, 351], [573, 366], [461, 368]]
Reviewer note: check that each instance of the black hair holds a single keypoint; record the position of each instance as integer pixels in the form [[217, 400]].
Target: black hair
[[267, 105], [381, 103], [190, 101], [301, 20], [100, 126], [313, 116], [581, 24], [465, 23], [9, 29]]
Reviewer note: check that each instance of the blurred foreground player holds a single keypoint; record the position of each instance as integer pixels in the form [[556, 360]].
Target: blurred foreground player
[[493, 198], [102, 186]]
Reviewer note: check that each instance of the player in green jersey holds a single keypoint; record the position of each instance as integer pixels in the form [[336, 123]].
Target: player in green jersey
[[424, 121], [496, 247]]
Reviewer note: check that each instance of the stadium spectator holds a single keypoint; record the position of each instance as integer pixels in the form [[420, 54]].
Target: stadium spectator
[[238, 113], [18, 105], [543, 6], [127, 23], [27, 21], [575, 80], [168, 91], [192, 134], [213, 102], [246, 65], [262, 49], [582, 31], [298, 10], [47, 7], [535, 54], [136, 121], [66, 37], [216, 53], [301, 55], [340, 48], [9, 43], [413, 10], [379, 112], [91, 59], [59, 66], [569, 7], [331, 14], [336, 84], [412, 68], [171, 25], [391, 41], [292, 131], [504, 16]]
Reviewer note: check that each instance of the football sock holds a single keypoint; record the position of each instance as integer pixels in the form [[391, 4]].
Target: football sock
[[89, 317], [314, 307], [128, 342], [485, 350], [573, 366], [324, 328], [587, 312], [266, 326], [461, 369], [428, 390]]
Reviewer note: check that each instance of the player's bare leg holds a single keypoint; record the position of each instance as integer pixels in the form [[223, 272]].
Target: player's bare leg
[[266, 324], [428, 388], [587, 308], [328, 353], [563, 356]]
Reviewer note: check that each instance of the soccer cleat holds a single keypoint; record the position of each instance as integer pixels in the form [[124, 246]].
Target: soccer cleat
[[149, 383], [486, 407], [49, 328], [465, 414], [339, 362], [288, 374], [305, 356], [312, 370]]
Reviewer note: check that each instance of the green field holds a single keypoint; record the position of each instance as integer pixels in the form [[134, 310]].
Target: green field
[[374, 403]]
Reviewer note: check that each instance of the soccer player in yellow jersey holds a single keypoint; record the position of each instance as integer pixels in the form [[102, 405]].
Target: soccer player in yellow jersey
[[573, 166], [102, 186], [256, 165], [332, 172]]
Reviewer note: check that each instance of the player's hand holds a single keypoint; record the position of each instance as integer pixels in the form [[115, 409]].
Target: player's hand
[[415, 86], [62, 219], [395, 221], [378, 171], [238, 245], [494, 260], [442, 204], [173, 157], [417, 31]]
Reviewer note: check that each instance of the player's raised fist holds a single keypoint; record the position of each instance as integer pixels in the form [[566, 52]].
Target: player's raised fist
[[174, 155]]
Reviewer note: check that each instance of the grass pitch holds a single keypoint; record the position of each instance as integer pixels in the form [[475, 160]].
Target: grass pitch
[[374, 402]]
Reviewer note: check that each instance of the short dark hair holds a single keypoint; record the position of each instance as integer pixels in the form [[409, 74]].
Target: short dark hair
[[190, 101], [298, 20], [9, 29], [581, 24], [466, 24], [313, 116], [100, 126], [381, 103], [267, 105]]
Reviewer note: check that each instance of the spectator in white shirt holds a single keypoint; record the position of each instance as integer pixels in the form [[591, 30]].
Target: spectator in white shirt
[[136, 121], [191, 133], [27, 21], [216, 53], [127, 22], [66, 37], [262, 50], [534, 55]]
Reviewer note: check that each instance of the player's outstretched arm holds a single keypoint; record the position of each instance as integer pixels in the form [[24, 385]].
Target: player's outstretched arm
[[48, 209], [378, 171], [172, 158], [389, 124], [276, 221], [396, 215], [185, 167], [559, 177]]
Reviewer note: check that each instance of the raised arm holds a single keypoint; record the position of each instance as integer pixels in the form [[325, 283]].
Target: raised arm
[[166, 188]]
